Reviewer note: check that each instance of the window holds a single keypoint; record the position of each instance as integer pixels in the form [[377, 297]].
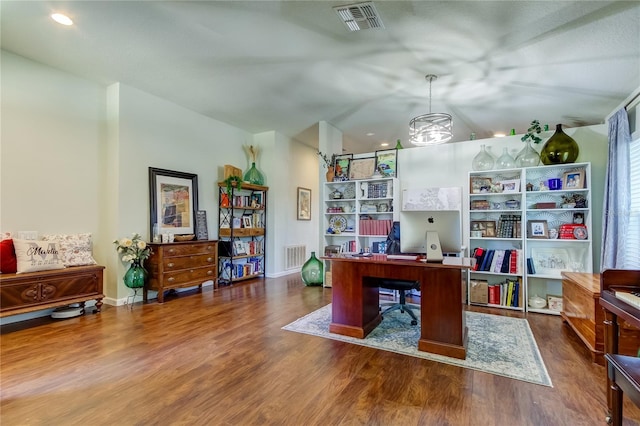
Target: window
[[632, 249]]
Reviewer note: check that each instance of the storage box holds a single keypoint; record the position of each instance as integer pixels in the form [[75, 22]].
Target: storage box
[[547, 205], [554, 303], [478, 291], [230, 170]]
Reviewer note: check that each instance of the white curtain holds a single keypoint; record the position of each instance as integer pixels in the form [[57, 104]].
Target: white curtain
[[616, 209]]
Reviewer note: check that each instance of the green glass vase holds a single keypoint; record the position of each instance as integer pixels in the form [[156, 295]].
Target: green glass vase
[[254, 176], [136, 276], [312, 271], [559, 149]]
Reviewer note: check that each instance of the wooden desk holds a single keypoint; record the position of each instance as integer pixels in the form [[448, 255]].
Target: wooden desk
[[616, 310], [355, 300]]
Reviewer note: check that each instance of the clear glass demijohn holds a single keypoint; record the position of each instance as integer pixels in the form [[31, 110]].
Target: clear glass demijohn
[[483, 161], [505, 161]]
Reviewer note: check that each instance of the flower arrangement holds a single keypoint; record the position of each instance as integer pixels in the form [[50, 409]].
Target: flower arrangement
[[532, 132], [327, 162], [133, 249], [252, 152]]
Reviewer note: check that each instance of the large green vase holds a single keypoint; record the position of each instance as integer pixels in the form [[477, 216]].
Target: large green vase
[[559, 149], [312, 271], [254, 176], [136, 276]]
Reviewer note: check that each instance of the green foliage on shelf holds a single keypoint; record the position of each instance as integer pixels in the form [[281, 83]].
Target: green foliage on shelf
[[532, 132], [229, 181]]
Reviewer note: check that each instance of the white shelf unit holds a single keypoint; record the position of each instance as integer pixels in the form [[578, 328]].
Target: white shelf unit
[[367, 207], [550, 256], [563, 254], [487, 207]]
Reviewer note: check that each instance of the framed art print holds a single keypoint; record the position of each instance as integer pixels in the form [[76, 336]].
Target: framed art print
[[341, 167], [362, 168], [387, 162], [173, 201], [304, 204]]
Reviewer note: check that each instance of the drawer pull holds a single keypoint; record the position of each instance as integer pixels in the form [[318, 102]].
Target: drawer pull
[[171, 251], [171, 279], [210, 259], [170, 265], [209, 272]]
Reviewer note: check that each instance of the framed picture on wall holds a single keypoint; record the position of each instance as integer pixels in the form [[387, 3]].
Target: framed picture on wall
[[362, 168], [387, 162], [304, 204], [173, 201]]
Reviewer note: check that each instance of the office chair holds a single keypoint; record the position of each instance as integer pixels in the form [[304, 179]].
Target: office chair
[[403, 286]]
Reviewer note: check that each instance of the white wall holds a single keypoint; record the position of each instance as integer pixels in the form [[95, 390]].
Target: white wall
[[75, 157], [450, 164]]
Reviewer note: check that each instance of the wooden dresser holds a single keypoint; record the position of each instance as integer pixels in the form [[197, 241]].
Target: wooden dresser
[[582, 312], [181, 264], [34, 291]]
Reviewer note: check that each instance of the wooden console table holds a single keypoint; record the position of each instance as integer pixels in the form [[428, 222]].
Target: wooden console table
[[181, 264], [34, 291], [355, 300]]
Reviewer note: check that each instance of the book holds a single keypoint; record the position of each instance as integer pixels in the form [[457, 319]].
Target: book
[[496, 263], [487, 260], [513, 262], [478, 254], [506, 262]]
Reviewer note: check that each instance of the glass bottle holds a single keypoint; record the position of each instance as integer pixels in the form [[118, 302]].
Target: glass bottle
[[312, 271], [483, 161], [398, 145], [527, 157], [505, 161], [254, 176], [560, 148], [136, 275]]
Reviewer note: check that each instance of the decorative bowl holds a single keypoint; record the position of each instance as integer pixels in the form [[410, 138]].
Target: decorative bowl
[[187, 237], [537, 302]]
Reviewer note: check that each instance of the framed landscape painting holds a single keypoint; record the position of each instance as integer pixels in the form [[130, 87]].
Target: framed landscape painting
[[173, 201]]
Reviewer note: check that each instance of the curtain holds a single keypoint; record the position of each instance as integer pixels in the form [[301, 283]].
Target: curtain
[[616, 208]]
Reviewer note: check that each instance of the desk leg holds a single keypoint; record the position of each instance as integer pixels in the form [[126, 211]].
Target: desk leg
[[610, 347], [442, 317]]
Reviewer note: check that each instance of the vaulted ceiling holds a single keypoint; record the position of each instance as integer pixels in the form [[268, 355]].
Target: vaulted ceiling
[[285, 65]]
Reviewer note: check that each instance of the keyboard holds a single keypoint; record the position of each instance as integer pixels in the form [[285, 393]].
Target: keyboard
[[402, 256], [630, 298]]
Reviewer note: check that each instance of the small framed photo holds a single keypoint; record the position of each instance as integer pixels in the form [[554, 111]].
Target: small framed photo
[[480, 185], [341, 167], [239, 248], [362, 168], [578, 218], [537, 229], [486, 228], [256, 200], [573, 180], [246, 221], [237, 222], [202, 232], [512, 185], [304, 204], [554, 303], [387, 162]]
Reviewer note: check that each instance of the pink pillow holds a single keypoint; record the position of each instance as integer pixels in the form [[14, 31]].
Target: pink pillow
[[8, 262]]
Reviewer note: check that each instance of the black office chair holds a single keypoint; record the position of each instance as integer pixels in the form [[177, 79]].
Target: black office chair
[[402, 286]]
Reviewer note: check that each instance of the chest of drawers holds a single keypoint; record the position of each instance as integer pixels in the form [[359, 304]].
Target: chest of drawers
[[181, 264]]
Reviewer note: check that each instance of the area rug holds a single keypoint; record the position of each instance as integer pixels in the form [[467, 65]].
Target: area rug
[[498, 345]]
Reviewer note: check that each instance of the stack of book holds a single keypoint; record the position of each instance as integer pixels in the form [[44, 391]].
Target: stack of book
[[509, 226], [498, 261]]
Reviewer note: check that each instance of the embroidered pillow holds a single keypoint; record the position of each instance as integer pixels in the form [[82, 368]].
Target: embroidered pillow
[[8, 264], [75, 249], [35, 255]]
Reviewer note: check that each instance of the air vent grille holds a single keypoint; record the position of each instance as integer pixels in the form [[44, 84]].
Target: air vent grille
[[360, 16]]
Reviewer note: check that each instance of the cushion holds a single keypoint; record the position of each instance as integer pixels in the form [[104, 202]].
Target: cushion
[[36, 255], [76, 249], [8, 263]]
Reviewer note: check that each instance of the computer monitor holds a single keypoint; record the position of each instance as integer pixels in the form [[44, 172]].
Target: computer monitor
[[431, 232]]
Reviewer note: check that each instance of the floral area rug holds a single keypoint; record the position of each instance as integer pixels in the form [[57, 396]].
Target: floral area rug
[[498, 345]]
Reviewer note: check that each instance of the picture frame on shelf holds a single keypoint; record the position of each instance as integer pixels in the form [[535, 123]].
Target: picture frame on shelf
[[573, 180], [511, 185], [341, 167], [480, 185], [550, 261], [256, 200], [387, 162], [554, 303], [246, 221], [173, 200], [239, 248], [578, 218], [537, 229], [237, 222], [362, 168], [487, 228], [304, 204]]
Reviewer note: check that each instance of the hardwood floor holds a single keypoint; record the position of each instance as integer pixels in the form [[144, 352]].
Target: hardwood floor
[[221, 358]]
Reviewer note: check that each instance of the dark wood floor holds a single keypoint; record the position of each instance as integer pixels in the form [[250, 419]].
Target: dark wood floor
[[221, 358]]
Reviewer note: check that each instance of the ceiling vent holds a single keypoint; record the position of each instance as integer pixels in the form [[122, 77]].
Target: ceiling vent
[[360, 16]]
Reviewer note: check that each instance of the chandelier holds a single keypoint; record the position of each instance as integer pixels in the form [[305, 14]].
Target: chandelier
[[430, 129]]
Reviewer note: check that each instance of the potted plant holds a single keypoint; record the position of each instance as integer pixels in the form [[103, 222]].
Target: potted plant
[[230, 183], [529, 157], [329, 164]]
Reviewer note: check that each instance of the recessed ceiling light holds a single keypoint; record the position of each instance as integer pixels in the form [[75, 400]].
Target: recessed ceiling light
[[61, 19], [370, 134], [384, 144], [499, 135]]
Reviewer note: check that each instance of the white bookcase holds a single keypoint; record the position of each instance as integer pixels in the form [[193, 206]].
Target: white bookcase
[[358, 214], [550, 234]]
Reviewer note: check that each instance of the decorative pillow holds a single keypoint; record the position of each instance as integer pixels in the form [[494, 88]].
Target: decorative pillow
[[76, 249], [8, 264], [36, 255]]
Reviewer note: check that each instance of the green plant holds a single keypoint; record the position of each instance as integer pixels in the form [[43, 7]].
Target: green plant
[[327, 162], [230, 180], [532, 132]]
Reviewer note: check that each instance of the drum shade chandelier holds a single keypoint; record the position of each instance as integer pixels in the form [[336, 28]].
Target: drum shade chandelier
[[433, 128]]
